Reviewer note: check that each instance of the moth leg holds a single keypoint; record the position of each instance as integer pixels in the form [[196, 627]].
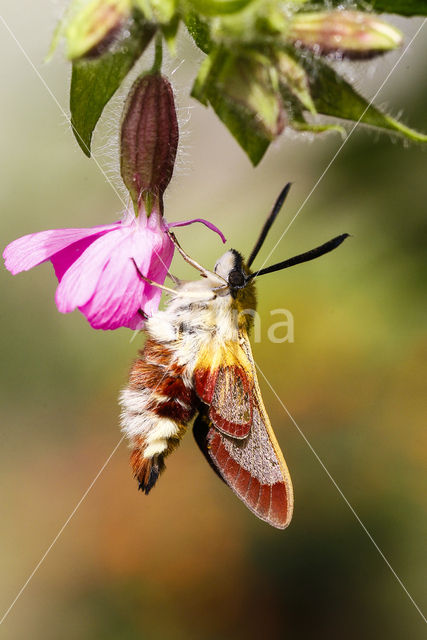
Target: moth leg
[[177, 294], [204, 272], [222, 287], [174, 279], [151, 282]]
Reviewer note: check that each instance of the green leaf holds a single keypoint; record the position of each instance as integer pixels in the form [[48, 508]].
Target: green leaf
[[200, 86], [295, 110], [199, 31], [219, 7], [334, 96], [401, 7], [243, 91], [253, 141], [93, 82]]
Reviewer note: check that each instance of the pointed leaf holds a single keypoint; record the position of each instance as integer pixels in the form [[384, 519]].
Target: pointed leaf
[[334, 96], [295, 109], [253, 140], [199, 30], [93, 82], [401, 7]]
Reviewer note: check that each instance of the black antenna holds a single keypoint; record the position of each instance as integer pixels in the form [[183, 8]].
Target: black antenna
[[302, 257], [271, 218]]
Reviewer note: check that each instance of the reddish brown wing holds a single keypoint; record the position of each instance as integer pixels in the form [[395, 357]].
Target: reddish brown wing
[[227, 389], [253, 467]]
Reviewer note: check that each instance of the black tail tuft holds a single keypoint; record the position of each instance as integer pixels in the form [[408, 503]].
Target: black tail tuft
[[148, 475]]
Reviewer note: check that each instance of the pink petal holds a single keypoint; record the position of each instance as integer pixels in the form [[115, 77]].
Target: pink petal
[[136, 323], [79, 282], [33, 249], [63, 260], [205, 222], [160, 260], [120, 292], [157, 272]]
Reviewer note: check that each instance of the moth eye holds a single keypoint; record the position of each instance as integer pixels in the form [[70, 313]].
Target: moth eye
[[236, 279]]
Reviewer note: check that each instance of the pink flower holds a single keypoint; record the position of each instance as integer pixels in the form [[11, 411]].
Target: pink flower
[[95, 269]]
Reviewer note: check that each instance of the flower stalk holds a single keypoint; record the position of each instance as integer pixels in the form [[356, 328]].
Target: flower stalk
[[158, 54]]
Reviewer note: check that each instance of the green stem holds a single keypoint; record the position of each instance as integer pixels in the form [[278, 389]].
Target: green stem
[[158, 54]]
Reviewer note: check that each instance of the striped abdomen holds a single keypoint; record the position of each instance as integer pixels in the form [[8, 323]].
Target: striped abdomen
[[158, 404]]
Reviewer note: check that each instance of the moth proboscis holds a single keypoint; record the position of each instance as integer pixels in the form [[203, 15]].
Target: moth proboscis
[[197, 367]]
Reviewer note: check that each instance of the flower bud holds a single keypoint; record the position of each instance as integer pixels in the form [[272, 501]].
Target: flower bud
[[149, 138], [94, 27], [352, 33], [294, 77], [250, 84]]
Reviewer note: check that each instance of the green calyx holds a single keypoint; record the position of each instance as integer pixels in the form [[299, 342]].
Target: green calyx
[[264, 68]]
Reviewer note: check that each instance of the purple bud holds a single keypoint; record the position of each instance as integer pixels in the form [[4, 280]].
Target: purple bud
[[149, 138]]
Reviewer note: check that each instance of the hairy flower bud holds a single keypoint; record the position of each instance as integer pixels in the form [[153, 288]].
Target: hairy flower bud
[[248, 82], [94, 27], [295, 79], [352, 33], [244, 90], [149, 138]]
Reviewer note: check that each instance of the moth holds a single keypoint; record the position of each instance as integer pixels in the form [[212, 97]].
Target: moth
[[197, 368]]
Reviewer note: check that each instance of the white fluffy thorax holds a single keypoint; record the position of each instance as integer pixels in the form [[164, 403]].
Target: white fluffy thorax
[[199, 314]]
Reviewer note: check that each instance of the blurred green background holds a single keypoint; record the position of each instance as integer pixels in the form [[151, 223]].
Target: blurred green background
[[190, 561]]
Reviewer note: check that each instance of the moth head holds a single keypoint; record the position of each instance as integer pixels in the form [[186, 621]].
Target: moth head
[[232, 269]]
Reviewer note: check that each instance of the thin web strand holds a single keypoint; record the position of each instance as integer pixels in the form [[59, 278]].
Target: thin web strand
[[66, 523], [322, 464]]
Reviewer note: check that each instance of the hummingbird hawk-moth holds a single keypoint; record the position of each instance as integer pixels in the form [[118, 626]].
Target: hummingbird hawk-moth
[[197, 368]]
